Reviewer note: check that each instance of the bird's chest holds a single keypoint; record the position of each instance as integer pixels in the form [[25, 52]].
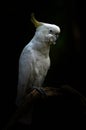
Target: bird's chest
[[42, 65], [40, 70]]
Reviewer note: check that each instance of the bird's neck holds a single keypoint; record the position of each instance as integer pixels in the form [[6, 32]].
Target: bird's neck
[[41, 46]]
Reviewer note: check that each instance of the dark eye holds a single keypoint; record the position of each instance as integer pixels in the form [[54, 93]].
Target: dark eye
[[50, 31]]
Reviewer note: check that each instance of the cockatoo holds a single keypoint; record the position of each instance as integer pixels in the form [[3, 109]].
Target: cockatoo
[[34, 61]]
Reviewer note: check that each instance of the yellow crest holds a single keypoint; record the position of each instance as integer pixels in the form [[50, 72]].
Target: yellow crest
[[34, 21]]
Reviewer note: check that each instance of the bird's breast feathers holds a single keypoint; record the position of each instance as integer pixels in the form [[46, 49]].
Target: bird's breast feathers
[[41, 64]]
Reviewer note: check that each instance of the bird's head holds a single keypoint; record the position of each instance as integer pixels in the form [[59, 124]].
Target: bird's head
[[45, 32]]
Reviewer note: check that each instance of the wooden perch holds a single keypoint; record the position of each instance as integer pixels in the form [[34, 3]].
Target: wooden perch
[[61, 97], [30, 97]]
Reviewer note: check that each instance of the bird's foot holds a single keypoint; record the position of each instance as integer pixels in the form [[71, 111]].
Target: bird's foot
[[40, 90]]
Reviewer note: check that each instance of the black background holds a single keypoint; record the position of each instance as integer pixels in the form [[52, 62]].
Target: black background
[[67, 58]]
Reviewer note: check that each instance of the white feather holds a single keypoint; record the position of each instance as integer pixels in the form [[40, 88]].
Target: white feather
[[34, 60]]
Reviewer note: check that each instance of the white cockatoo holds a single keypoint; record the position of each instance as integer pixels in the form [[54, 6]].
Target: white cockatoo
[[34, 60]]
